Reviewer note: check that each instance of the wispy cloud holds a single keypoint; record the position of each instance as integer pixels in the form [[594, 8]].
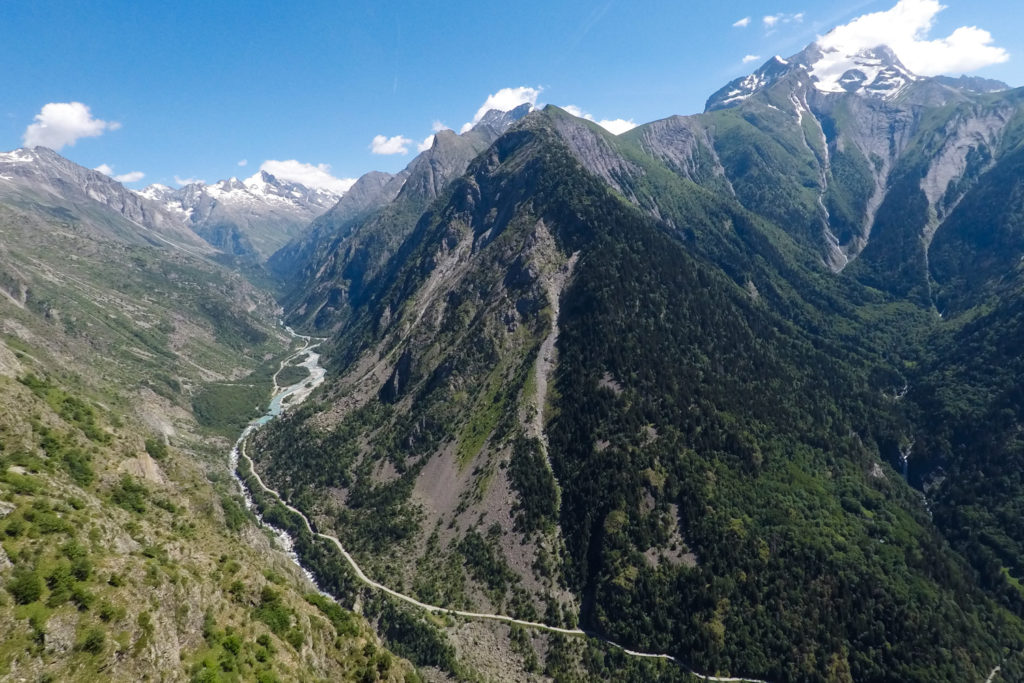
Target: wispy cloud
[[747, 59], [741, 23], [243, 162], [771, 21], [178, 180], [130, 177], [427, 143], [589, 23], [63, 123], [315, 176], [905, 28], [397, 144]]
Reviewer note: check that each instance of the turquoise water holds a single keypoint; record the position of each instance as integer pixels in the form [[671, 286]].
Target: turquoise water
[[296, 392]]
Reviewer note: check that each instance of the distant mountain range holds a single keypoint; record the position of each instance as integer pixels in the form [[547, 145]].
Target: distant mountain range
[[252, 217], [246, 219]]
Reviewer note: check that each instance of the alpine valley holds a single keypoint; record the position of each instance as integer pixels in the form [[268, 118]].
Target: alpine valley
[[741, 391]]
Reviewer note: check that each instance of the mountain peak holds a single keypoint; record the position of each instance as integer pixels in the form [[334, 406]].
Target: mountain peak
[[499, 120], [873, 72], [870, 71]]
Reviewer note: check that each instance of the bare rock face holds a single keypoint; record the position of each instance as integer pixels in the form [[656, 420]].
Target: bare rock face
[[9, 367], [60, 633], [5, 509], [596, 154], [970, 137]]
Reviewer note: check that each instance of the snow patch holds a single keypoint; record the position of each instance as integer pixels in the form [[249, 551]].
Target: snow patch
[[874, 72], [18, 156]]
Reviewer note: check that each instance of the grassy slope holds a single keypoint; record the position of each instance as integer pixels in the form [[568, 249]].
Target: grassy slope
[[121, 566]]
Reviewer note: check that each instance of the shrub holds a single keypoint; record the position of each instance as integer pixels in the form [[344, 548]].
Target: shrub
[[129, 494], [93, 640], [25, 586], [156, 448]]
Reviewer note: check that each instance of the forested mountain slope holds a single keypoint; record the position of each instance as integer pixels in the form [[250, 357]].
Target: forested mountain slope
[[590, 367]]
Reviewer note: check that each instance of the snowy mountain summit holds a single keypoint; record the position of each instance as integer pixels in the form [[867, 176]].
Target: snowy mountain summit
[[254, 216], [261, 188], [828, 66], [873, 71]]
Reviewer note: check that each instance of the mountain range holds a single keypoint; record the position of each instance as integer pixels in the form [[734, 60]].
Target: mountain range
[[741, 387], [250, 218]]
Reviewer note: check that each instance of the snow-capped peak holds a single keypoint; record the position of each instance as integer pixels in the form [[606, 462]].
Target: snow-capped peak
[[260, 182], [18, 156], [875, 71], [259, 194], [742, 88], [156, 192], [872, 72]]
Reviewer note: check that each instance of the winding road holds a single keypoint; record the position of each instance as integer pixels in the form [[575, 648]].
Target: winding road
[[300, 392]]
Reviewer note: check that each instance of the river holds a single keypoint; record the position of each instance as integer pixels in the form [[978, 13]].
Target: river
[[284, 398]]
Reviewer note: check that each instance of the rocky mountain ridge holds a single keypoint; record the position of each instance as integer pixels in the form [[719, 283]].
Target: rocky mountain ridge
[[252, 217], [373, 221], [41, 177]]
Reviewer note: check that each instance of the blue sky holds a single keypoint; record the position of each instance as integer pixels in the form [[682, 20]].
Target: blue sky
[[190, 89]]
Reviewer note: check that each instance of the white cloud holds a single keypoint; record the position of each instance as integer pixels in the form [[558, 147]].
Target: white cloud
[[770, 21], [617, 126], [243, 162], [62, 123], [613, 126], [131, 177], [505, 99], [742, 23], [437, 127], [427, 143], [316, 176], [747, 59], [905, 29], [397, 144], [188, 181]]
